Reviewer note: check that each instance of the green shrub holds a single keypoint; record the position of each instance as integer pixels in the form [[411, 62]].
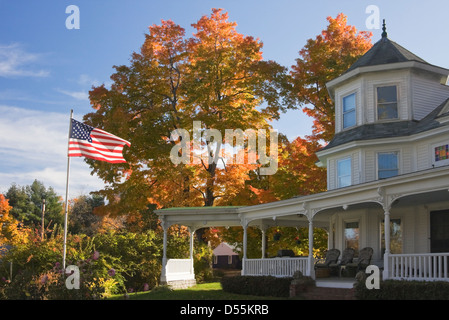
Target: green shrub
[[137, 254], [134, 258], [95, 282], [257, 285], [404, 290]]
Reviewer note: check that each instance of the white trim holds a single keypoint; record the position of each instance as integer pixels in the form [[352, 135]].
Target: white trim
[[384, 67], [382, 141]]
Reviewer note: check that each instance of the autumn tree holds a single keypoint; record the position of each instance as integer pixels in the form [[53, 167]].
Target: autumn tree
[[6, 221], [322, 59], [82, 217], [218, 78], [11, 232]]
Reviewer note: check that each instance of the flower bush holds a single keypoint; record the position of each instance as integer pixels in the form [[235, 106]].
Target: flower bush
[[108, 264], [94, 283]]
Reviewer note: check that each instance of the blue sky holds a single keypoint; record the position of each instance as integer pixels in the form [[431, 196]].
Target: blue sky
[[47, 69]]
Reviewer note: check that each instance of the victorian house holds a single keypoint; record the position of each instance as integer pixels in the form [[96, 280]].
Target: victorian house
[[387, 176]]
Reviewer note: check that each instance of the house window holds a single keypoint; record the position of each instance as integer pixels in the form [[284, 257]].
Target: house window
[[343, 172], [349, 111], [395, 236], [387, 165], [352, 235], [387, 103], [441, 153]]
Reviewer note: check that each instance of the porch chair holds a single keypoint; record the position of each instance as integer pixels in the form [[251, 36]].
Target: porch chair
[[363, 260], [346, 258], [322, 266]]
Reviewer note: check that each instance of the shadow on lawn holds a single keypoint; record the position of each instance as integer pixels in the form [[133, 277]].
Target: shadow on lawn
[[203, 291]]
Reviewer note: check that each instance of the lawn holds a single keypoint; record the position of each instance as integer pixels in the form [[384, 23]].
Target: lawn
[[203, 291]]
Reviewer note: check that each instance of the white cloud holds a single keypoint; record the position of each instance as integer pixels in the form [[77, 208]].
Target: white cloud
[[78, 95], [33, 145], [86, 80], [15, 62]]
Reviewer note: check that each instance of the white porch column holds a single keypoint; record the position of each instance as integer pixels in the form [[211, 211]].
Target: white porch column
[[311, 271], [192, 238], [386, 271], [164, 225], [245, 239], [264, 240]]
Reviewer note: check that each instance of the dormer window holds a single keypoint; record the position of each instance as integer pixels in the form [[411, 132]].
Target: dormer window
[[349, 119], [387, 103]]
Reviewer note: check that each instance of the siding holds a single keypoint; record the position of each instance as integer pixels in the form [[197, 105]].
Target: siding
[[427, 94], [370, 166], [423, 157], [406, 158]]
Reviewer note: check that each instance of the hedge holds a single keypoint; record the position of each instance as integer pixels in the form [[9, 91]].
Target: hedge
[[404, 290], [257, 285]]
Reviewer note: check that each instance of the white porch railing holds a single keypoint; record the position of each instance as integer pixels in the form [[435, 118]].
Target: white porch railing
[[179, 269], [421, 266], [279, 267]]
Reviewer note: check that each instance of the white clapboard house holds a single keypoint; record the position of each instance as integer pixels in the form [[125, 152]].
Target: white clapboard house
[[387, 176]]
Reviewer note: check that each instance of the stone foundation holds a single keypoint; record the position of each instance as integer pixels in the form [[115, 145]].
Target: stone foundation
[[181, 284]]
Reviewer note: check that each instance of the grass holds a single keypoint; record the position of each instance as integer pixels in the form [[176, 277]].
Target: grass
[[203, 291]]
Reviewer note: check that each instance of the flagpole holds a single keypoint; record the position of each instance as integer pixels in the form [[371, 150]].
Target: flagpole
[[67, 194]]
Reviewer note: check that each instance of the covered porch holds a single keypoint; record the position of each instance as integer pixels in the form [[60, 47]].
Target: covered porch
[[408, 201]]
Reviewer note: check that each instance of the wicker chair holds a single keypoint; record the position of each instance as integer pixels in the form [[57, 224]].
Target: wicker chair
[[346, 258], [332, 256], [363, 260]]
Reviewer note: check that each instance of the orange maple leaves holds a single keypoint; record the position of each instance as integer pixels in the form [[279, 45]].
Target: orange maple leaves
[[322, 59]]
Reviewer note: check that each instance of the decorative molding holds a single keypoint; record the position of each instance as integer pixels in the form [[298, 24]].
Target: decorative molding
[[387, 200], [164, 223]]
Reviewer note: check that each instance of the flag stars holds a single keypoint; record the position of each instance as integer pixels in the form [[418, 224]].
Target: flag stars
[[81, 131]]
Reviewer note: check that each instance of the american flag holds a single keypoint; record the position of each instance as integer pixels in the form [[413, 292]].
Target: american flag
[[95, 143]]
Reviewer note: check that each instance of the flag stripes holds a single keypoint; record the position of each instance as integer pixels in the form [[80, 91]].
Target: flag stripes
[[94, 143]]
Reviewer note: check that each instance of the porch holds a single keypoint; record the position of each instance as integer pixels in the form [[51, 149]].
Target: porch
[[420, 266], [375, 205]]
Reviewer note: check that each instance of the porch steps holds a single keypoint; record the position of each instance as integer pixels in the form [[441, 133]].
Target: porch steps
[[322, 293]]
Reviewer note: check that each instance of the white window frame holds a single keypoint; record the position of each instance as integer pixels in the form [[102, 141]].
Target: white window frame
[[343, 113], [348, 221], [397, 152], [432, 151], [377, 101], [338, 174]]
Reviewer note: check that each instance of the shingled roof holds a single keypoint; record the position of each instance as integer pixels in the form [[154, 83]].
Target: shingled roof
[[391, 129], [385, 51]]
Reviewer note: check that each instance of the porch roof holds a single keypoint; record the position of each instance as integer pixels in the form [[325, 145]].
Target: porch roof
[[433, 184]]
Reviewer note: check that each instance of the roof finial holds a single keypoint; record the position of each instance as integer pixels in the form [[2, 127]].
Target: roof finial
[[384, 30]]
